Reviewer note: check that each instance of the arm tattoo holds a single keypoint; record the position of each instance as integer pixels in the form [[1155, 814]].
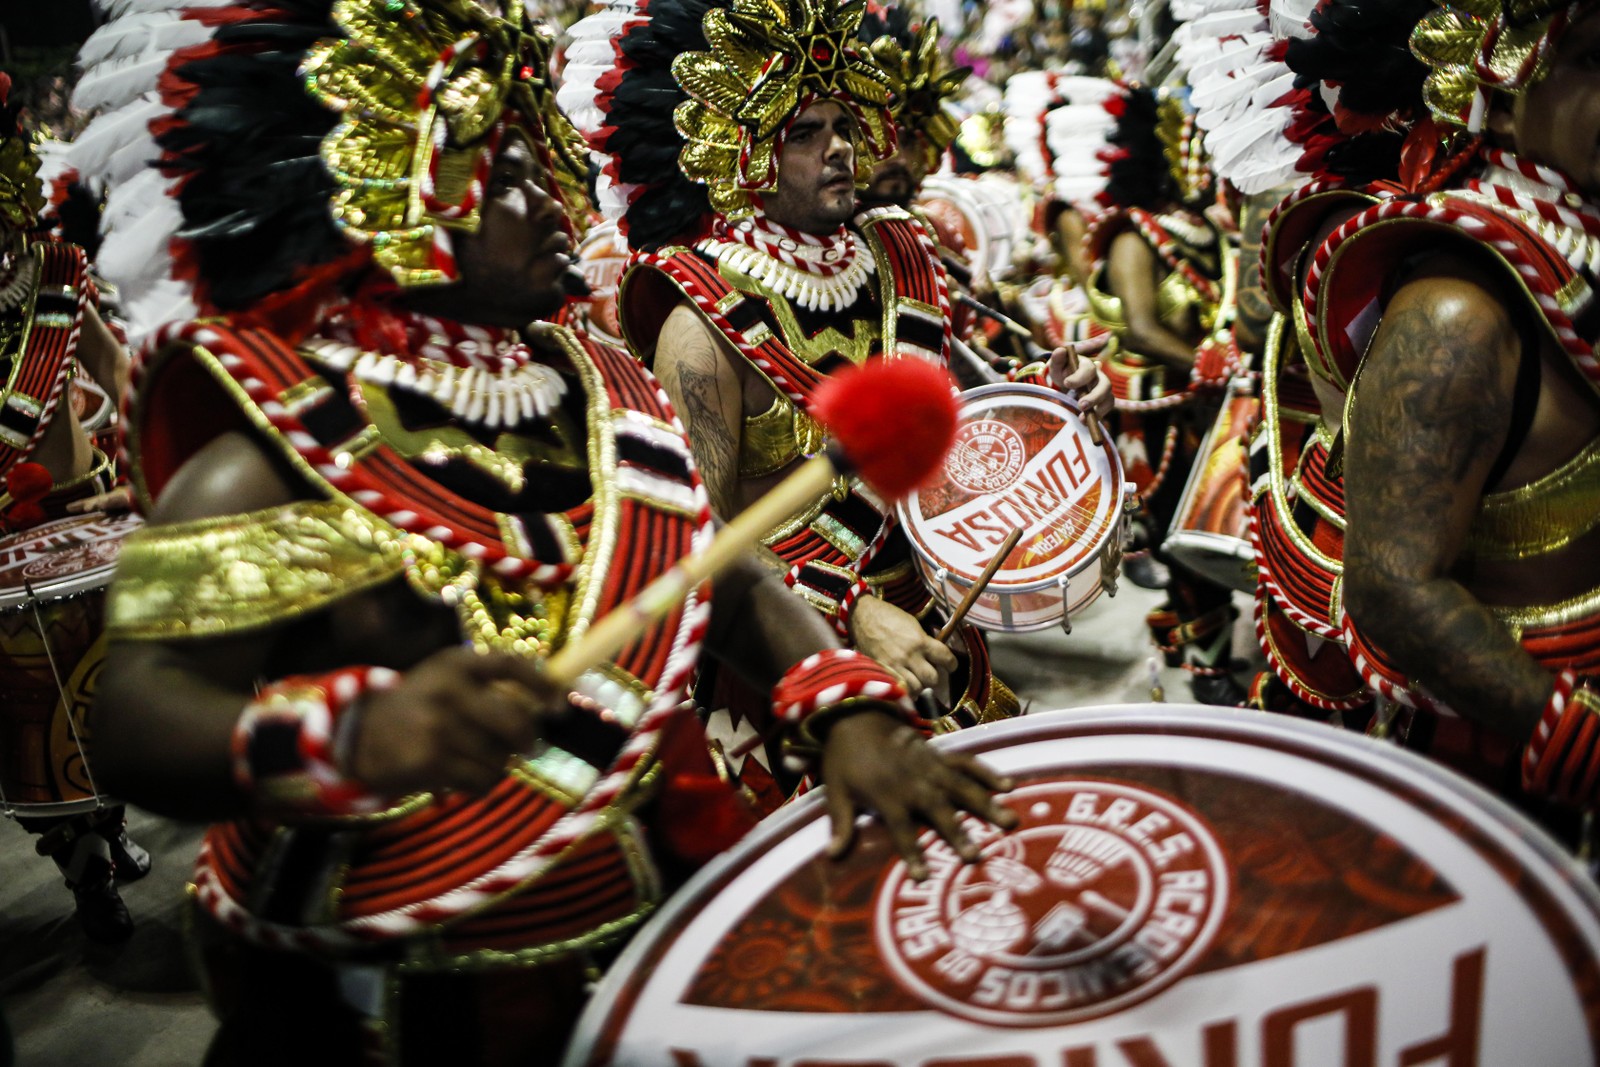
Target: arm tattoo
[[696, 388], [1433, 409]]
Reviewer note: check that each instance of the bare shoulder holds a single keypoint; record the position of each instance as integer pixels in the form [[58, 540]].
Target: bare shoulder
[[233, 473], [688, 337]]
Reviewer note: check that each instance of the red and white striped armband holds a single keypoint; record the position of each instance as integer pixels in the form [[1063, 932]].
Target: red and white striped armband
[[828, 685], [288, 745], [1562, 758]]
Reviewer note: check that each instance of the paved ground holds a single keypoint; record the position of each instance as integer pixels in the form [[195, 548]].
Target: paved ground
[[71, 1003]]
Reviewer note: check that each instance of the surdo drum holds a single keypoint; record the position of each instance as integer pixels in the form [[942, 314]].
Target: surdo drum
[[1186, 887], [1022, 457], [52, 602], [1210, 531]]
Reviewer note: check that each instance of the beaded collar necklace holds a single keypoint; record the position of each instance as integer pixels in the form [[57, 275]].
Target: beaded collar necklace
[[818, 273], [480, 374], [1548, 202]]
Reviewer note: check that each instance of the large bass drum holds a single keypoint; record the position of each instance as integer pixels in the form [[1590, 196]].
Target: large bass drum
[[1185, 886], [1023, 457]]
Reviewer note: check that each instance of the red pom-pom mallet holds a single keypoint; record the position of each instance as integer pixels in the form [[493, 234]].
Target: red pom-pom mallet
[[891, 421], [26, 485]]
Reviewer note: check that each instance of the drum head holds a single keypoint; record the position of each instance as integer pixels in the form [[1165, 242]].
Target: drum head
[[62, 558], [1185, 886], [1022, 458], [601, 256]]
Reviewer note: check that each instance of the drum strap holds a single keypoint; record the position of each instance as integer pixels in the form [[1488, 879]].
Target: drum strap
[[34, 375]]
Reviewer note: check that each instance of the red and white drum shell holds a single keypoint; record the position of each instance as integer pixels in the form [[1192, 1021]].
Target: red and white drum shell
[[601, 257], [1185, 885], [52, 603], [1023, 457], [984, 219], [1210, 531]]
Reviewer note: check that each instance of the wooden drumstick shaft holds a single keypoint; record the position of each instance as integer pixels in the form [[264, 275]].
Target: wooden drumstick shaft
[[979, 586], [613, 631], [1095, 433]]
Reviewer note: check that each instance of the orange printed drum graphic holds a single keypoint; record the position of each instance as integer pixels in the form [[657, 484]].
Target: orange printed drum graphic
[[1185, 886], [1022, 458], [52, 601], [601, 256]]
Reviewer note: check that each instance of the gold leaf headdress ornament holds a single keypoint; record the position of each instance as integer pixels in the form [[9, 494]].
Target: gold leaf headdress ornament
[[920, 81], [1476, 46], [21, 194], [769, 60], [426, 90]]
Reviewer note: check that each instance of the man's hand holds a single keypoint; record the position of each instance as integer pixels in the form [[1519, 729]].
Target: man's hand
[[451, 723], [894, 638], [1072, 372], [872, 761], [116, 500]]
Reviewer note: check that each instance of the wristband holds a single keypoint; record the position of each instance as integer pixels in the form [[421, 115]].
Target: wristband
[[287, 746], [828, 685]]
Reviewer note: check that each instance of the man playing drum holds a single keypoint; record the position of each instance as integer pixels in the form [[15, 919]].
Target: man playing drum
[[1157, 285], [1460, 324], [755, 278], [376, 506], [50, 332]]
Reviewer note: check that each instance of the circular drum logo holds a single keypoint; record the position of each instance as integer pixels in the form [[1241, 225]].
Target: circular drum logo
[[1104, 895], [987, 456]]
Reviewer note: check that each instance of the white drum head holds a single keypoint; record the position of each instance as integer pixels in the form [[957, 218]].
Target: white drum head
[[62, 558], [1186, 886]]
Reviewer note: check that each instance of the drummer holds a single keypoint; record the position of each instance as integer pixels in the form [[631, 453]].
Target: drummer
[[786, 283], [342, 700], [51, 466], [1157, 286]]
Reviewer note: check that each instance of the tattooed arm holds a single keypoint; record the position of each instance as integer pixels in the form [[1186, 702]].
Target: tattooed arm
[[1432, 414], [1255, 310], [701, 376], [1132, 269]]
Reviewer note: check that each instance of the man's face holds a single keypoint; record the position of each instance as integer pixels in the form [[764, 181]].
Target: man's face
[[816, 190], [1557, 122], [898, 179], [512, 268]]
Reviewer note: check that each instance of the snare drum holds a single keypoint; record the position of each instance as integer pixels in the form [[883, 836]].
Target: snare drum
[[1022, 457], [1185, 885], [52, 600], [1210, 533], [601, 256]]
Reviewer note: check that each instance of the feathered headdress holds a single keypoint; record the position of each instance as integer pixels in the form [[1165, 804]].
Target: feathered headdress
[[1233, 53], [1153, 157], [727, 78], [921, 81], [300, 141], [1473, 47]]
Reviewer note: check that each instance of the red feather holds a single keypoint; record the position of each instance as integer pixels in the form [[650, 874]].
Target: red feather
[[894, 418]]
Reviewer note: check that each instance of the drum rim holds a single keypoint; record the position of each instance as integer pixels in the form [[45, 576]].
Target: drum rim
[[998, 583], [51, 591], [617, 993]]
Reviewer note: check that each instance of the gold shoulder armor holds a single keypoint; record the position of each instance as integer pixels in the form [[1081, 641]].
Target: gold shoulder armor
[[240, 572]]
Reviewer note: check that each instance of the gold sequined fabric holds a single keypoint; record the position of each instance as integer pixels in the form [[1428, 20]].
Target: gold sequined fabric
[[240, 572], [1543, 516], [769, 441], [768, 58], [420, 86]]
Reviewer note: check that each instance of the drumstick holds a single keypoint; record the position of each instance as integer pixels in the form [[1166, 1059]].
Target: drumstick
[[978, 587], [1035, 351], [892, 421]]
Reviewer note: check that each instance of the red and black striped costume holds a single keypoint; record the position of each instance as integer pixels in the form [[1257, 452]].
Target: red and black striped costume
[[1344, 281], [529, 875], [850, 542]]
